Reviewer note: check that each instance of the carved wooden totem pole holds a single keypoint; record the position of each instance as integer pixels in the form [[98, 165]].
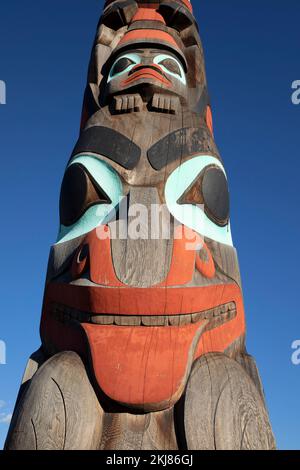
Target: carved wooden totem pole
[[143, 328]]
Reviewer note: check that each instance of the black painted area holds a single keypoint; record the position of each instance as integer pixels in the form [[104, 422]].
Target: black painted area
[[176, 15], [216, 195], [109, 143], [179, 144], [79, 191], [114, 16], [121, 65]]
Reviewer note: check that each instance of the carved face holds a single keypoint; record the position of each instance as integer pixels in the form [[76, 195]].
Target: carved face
[[149, 71], [146, 304], [139, 299]]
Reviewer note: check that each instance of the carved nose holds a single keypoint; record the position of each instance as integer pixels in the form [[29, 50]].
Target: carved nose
[[143, 257]]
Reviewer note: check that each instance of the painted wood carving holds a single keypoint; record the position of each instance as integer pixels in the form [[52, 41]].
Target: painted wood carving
[[143, 326]]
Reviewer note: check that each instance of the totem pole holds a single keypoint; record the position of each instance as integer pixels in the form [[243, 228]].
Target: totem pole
[[143, 334]]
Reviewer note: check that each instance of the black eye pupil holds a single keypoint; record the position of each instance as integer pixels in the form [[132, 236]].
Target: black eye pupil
[[121, 65], [216, 195], [78, 193], [172, 66]]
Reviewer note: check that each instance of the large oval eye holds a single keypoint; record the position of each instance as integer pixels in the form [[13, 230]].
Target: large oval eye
[[78, 192], [123, 65], [216, 195], [90, 193], [171, 66], [197, 196], [210, 189]]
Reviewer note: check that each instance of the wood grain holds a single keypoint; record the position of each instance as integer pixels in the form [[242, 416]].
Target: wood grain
[[59, 411], [133, 258], [153, 431], [130, 305], [223, 410]]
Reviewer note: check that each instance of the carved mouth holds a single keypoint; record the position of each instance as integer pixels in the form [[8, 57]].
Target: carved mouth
[[217, 317], [140, 361]]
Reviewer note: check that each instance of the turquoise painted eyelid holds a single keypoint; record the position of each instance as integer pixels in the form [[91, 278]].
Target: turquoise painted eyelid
[[191, 215], [92, 218], [96, 215], [135, 57], [162, 57]]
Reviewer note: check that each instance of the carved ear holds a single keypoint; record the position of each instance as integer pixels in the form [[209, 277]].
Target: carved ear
[[105, 35], [106, 40], [196, 77], [119, 14], [176, 16]]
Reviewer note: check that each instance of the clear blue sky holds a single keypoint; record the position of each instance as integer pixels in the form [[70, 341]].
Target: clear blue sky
[[252, 57]]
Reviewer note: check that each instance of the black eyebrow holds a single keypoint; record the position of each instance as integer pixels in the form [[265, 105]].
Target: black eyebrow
[[110, 144], [176, 146], [161, 51], [171, 54], [130, 51]]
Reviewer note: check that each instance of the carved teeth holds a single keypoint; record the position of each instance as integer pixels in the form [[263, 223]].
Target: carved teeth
[[154, 321], [126, 320], [102, 319], [217, 315], [185, 319], [128, 103], [174, 320], [165, 103]]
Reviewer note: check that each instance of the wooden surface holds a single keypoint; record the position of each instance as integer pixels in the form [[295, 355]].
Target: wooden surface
[[144, 314], [152, 431], [133, 258], [59, 410], [223, 410]]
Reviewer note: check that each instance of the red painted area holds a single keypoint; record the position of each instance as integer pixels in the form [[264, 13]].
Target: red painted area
[[188, 4], [154, 5], [209, 120], [183, 259], [79, 266], [185, 245], [101, 266], [205, 266], [146, 73], [148, 14], [141, 301], [148, 35], [140, 366]]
